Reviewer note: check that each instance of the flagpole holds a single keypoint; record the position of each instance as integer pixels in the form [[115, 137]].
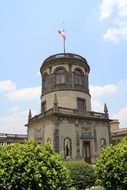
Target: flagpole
[[62, 34], [64, 38], [64, 44]]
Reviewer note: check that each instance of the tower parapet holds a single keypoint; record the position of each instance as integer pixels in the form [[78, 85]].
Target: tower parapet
[[69, 73], [65, 71]]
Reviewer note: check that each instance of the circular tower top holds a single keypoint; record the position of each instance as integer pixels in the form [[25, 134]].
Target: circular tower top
[[65, 71]]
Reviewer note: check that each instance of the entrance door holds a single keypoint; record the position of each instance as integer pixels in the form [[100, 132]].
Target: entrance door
[[86, 151]]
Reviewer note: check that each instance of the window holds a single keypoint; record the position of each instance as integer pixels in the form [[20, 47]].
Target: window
[[78, 77], [81, 104], [43, 106], [60, 75], [45, 80]]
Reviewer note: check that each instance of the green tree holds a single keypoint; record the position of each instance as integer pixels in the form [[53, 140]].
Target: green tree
[[82, 174], [111, 167], [31, 167]]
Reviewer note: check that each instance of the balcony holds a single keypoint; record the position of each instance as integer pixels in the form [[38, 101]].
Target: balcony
[[71, 112]]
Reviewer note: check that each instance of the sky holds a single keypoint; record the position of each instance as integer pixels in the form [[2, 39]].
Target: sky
[[96, 30]]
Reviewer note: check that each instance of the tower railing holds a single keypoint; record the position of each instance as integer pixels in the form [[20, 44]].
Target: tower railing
[[71, 112]]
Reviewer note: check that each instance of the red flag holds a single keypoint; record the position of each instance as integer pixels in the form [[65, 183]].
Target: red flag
[[62, 33]]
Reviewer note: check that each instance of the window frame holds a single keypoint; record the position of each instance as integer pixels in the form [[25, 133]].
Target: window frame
[[60, 75], [78, 77], [81, 107]]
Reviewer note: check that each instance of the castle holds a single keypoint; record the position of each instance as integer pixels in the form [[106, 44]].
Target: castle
[[66, 120]]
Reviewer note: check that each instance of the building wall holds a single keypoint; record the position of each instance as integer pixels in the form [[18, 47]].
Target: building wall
[[75, 128], [102, 130], [67, 99], [6, 138], [67, 130], [114, 125], [48, 132], [42, 131]]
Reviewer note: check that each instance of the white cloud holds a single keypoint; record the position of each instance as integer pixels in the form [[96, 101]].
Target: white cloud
[[118, 30], [122, 116], [106, 8], [97, 92], [115, 34], [12, 93], [13, 124], [96, 105], [102, 94], [15, 121], [25, 94], [7, 85], [122, 5], [38, 73], [103, 90]]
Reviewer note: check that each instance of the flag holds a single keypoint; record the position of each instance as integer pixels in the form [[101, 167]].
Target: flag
[[62, 33]]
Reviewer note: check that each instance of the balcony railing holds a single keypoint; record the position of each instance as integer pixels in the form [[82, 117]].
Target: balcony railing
[[71, 112]]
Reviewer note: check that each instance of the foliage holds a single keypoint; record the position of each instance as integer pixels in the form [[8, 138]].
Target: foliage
[[31, 167], [97, 188], [82, 174], [111, 167]]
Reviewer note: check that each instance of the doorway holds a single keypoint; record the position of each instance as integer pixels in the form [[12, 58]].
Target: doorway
[[86, 151]]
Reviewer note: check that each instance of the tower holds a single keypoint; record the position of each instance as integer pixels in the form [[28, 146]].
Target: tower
[[66, 119]]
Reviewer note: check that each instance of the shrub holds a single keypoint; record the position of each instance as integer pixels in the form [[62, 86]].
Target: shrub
[[31, 167], [97, 188], [111, 167], [82, 174]]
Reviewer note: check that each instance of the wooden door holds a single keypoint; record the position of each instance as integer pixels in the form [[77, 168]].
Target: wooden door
[[86, 151]]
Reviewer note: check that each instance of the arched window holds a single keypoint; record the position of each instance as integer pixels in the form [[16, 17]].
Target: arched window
[[60, 75], [45, 80], [78, 76]]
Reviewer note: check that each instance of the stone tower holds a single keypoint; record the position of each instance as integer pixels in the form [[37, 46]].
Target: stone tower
[[66, 120]]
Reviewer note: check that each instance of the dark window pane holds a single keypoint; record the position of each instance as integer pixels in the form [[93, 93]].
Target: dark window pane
[[43, 106], [78, 77], [81, 104], [60, 76]]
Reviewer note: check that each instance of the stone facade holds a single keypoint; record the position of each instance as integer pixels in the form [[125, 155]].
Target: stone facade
[[117, 134], [66, 120], [6, 138]]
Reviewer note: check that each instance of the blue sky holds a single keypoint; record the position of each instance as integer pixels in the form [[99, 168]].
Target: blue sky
[[96, 30]]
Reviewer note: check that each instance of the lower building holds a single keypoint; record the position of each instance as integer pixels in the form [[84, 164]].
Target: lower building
[[73, 134], [6, 138], [117, 134]]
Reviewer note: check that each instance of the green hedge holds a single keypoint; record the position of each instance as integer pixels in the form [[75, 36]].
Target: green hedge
[[82, 174], [31, 167], [111, 167]]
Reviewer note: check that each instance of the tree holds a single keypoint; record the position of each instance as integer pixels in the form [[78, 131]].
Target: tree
[[111, 167], [82, 174], [31, 167]]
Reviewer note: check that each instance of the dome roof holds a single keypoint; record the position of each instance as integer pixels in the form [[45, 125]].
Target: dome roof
[[62, 57]]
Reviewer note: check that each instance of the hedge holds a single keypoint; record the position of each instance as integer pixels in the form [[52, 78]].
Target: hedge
[[111, 167], [82, 174], [31, 167]]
